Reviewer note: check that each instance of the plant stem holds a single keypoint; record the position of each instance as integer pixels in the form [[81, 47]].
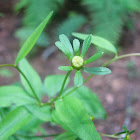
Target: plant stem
[[7, 65], [64, 82], [61, 91], [106, 64], [110, 136], [19, 70], [35, 95]]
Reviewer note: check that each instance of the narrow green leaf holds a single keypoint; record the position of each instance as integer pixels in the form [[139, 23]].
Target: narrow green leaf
[[65, 41], [65, 68], [53, 84], [97, 70], [28, 45], [14, 95], [76, 46], [78, 79], [71, 115], [63, 49], [65, 136], [32, 76], [99, 42], [94, 57], [86, 45], [15, 120], [91, 102], [41, 112]]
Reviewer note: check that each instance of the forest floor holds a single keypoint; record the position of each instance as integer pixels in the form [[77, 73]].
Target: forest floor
[[112, 89]]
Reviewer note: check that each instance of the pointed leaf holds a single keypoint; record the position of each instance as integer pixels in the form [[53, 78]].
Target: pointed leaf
[[86, 45], [71, 115], [94, 57], [97, 70], [78, 79], [32, 76], [53, 84], [65, 41], [99, 42], [65, 68], [14, 95], [15, 120], [76, 46], [28, 45], [91, 102], [41, 112], [63, 49]]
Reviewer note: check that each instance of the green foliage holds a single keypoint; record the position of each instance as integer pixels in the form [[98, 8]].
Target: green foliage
[[68, 113], [100, 42], [30, 42], [30, 74], [25, 32], [53, 84], [14, 95], [91, 102], [43, 112], [14, 121], [78, 79], [97, 70], [22, 111]]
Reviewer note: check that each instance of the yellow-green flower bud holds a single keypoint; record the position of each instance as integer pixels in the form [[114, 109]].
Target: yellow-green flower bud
[[77, 62]]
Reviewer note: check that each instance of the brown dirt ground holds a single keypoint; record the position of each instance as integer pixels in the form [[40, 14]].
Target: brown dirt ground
[[111, 89]]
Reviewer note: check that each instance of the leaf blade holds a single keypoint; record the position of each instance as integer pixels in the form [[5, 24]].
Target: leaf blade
[[78, 79], [63, 49], [68, 114], [91, 102], [94, 57], [97, 70], [65, 41], [14, 95], [86, 45], [99, 42], [76, 46], [28, 45], [41, 112], [13, 122], [65, 68]]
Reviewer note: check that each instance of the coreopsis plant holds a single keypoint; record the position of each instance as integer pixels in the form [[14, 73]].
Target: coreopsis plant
[[22, 111], [77, 61]]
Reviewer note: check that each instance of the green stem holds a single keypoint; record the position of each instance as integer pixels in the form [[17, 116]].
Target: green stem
[[104, 65], [61, 91], [64, 82], [35, 95], [19, 70], [110, 136], [7, 65]]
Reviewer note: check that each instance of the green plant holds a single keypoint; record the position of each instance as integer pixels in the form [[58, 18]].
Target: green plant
[[105, 17], [22, 112]]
